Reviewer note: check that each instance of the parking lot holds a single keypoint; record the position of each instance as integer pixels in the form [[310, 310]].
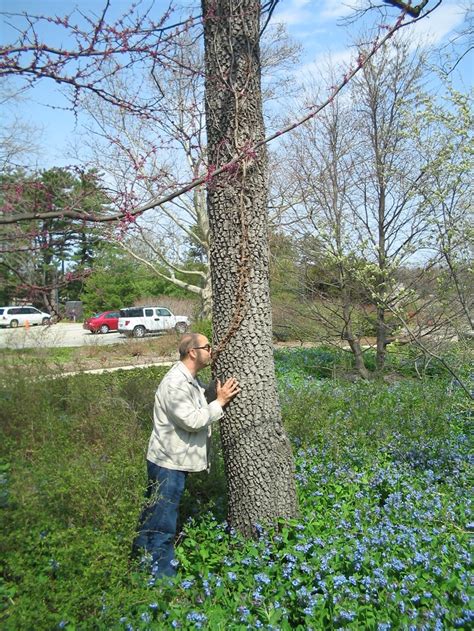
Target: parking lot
[[62, 334]]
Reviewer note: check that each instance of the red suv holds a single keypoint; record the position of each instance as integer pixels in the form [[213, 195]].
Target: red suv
[[102, 322]]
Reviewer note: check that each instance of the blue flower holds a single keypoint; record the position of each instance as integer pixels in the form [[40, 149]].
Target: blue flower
[[54, 565], [257, 595], [397, 565], [339, 580], [207, 589], [244, 613], [197, 618], [262, 578], [347, 615]]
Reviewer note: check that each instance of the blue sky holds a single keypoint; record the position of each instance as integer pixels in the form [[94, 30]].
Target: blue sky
[[317, 24], [321, 26]]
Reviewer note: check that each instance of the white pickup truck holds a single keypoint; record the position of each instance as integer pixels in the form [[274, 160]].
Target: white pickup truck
[[138, 321]]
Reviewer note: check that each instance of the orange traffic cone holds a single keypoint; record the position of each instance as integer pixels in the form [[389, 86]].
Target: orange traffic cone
[[27, 325]]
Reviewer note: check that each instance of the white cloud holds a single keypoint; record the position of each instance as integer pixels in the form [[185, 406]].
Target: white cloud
[[335, 9], [308, 13], [337, 59], [302, 12], [297, 12]]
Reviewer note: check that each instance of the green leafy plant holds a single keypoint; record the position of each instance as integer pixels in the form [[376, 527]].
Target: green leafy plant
[[381, 542]]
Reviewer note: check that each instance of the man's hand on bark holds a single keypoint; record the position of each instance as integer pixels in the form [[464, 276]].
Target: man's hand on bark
[[227, 391]]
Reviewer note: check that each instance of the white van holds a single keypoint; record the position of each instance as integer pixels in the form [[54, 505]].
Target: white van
[[18, 316], [138, 321]]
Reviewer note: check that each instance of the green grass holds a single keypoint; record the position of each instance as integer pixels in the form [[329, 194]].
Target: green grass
[[24, 356], [90, 356], [381, 542]]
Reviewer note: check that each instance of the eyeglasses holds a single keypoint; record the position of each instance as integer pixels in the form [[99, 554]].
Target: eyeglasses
[[206, 347]]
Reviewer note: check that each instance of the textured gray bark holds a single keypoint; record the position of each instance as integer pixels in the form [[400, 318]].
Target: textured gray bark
[[206, 299], [353, 340], [257, 452]]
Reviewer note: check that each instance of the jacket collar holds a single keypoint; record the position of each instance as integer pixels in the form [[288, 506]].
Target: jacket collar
[[185, 371]]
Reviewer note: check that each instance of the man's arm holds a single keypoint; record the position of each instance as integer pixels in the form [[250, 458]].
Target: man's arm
[[182, 409]]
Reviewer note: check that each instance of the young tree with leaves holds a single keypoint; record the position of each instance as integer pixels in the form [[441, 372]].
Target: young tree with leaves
[[443, 129]]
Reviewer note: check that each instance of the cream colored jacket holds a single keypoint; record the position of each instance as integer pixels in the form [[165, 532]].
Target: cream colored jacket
[[181, 422]]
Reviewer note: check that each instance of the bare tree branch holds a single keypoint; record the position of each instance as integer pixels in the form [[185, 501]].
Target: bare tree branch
[[246, 154]]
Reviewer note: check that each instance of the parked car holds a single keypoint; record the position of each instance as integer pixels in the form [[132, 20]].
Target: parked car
[[18, 316], [102, 322], [137, 321]]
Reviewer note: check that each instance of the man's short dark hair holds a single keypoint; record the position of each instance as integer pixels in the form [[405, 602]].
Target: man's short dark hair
[[189, 341]]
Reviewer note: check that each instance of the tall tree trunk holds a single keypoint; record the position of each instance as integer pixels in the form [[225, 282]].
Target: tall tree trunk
[[257, 452], [206, 299], [382, 341], [354, 342], [381, 328], [347, 310]]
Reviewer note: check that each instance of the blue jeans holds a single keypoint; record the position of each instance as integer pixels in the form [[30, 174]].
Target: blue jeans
[[157, 527]]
